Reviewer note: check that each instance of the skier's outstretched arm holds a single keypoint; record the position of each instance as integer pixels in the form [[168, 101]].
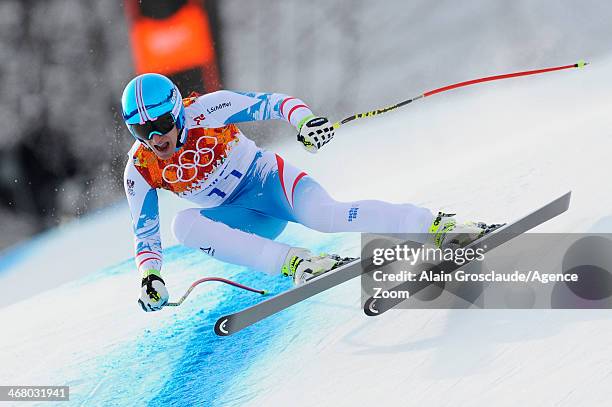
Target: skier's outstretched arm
[[230, 107], [142, 200]]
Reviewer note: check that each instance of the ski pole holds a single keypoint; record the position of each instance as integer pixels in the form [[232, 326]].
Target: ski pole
[[579, 64], [219, 279]]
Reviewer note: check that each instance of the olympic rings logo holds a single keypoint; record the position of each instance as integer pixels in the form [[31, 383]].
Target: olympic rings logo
[[183, 168]]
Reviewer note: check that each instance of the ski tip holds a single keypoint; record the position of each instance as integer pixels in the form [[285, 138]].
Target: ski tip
[[581, 64]]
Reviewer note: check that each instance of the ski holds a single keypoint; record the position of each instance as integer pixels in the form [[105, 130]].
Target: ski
[[232, 323], [376, 306]]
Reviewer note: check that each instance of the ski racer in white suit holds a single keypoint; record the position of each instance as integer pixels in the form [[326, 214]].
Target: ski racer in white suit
[[243, 196]]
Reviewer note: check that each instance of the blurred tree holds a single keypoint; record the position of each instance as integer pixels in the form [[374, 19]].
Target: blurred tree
[[62, 71]]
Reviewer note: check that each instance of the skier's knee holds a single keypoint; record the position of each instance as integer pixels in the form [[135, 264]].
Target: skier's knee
[[318, 218], [183, 223], [317, 224]]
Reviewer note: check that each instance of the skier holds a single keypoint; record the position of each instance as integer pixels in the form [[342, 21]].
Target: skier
[[243, 195]]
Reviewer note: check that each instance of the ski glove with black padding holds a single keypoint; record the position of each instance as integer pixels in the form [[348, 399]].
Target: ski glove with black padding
[[315, 133], [153, 292]]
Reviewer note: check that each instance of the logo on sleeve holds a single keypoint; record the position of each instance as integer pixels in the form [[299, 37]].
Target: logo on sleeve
[[130, 186], [198, 119], [218, 107]]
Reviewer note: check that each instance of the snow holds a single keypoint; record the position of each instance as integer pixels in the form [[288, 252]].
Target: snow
[[491, 152]]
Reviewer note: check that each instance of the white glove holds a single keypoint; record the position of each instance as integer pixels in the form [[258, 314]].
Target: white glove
[[153, 293], [315, 133]]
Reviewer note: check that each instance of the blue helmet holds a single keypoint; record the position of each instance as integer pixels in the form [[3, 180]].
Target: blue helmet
[[148, 97]]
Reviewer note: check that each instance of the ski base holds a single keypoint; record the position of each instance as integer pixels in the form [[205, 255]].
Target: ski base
[[232, 323], [376, 306]]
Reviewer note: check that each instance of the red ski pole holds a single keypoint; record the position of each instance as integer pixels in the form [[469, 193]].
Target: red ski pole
[[219, 279], [579, 64]]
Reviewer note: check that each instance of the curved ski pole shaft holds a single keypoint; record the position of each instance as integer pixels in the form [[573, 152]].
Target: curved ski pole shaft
[[579, 64], [218, 279]]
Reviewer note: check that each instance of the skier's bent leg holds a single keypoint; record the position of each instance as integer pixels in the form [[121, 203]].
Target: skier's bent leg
[[313, 207], [227, 244]]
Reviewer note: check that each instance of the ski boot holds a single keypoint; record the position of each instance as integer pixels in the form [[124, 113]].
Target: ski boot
[[444, 231], [302, 265]]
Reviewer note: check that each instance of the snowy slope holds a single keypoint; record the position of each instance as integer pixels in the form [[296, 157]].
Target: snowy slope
[[511, 146], [75, 249], [492, 152]]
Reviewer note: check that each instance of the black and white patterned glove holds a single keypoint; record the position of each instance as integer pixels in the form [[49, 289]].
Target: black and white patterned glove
[[315, 133], [153, 292]]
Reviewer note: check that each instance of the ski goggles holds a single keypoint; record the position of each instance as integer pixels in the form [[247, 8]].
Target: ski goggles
[[162, 125]]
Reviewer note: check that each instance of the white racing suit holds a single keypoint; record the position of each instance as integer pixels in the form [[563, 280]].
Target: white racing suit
[[243, 196]]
